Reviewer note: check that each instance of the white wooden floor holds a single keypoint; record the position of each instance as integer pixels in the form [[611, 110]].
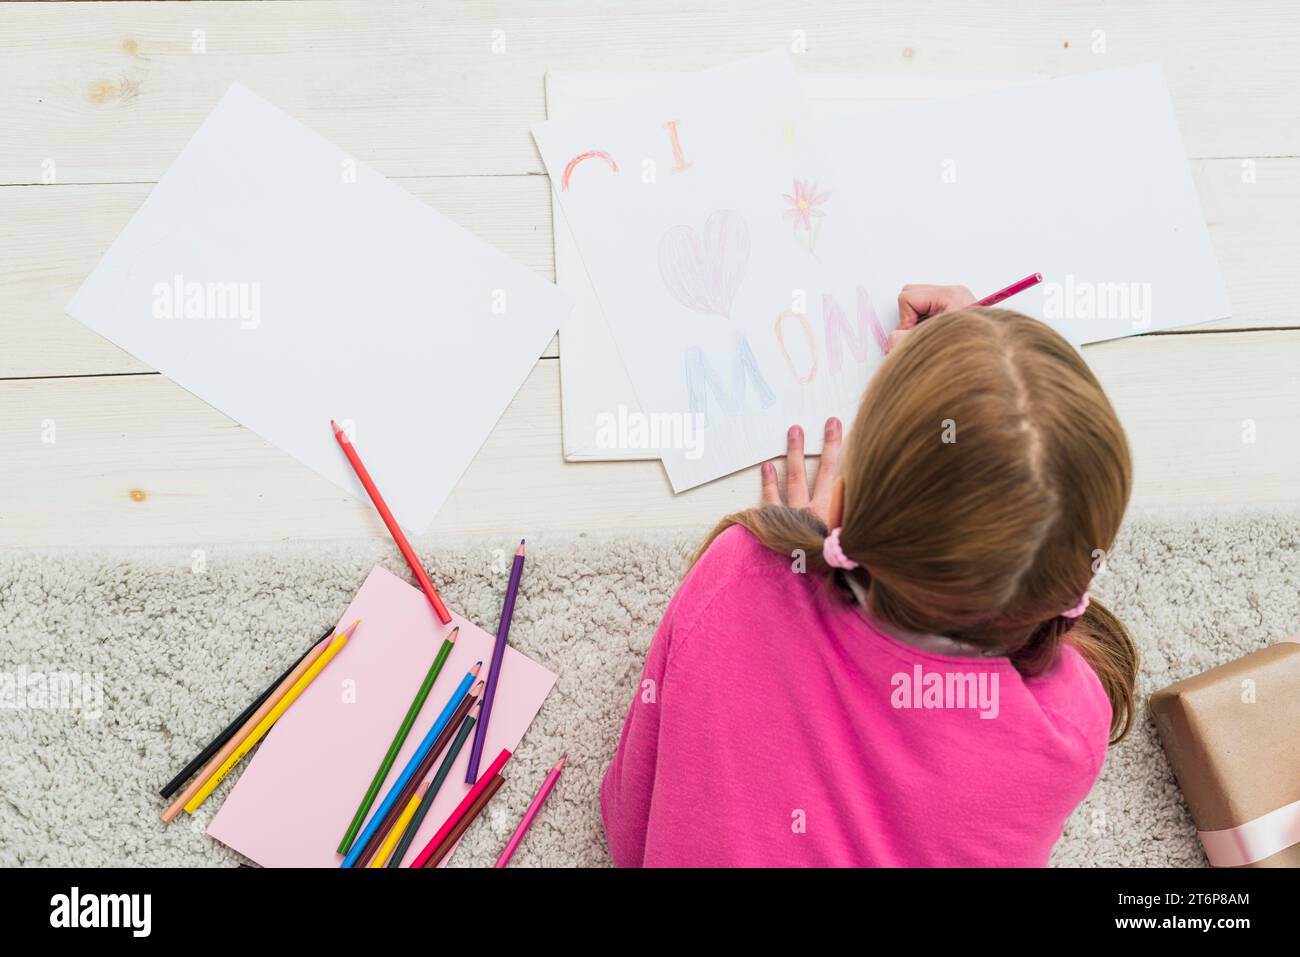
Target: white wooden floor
[[103, 96]]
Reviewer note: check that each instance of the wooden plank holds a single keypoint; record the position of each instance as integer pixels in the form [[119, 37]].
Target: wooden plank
[[110, 92], [1252, 208], [51, 237], [138, 461]]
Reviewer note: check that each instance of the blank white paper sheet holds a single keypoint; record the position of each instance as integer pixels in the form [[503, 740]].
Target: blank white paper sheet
[[285, 283], [1082, 178]]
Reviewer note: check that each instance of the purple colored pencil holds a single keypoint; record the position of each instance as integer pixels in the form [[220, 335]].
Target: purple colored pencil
[[494, 670]]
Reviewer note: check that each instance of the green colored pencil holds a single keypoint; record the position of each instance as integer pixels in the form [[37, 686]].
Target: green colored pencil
[[395, 860], [386, 765]]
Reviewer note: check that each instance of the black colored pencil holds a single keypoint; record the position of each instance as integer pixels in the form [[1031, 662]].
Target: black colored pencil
[[215, 745]]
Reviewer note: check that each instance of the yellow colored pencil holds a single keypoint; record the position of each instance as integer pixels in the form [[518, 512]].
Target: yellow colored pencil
[[265, 725], [399, 826], [254, 720]]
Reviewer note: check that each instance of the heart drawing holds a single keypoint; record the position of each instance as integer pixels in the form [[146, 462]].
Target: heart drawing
[[703, 275]]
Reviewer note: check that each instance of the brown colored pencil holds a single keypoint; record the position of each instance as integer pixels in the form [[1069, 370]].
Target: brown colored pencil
[[421, 772], [465, 821]]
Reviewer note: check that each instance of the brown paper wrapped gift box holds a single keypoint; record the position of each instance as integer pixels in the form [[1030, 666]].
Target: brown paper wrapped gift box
[[1232, 736]]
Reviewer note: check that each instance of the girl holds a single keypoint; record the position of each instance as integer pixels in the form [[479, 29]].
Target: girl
[[902, 668]]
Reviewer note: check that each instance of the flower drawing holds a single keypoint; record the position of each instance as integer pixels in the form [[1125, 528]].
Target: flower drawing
[[805, 206]]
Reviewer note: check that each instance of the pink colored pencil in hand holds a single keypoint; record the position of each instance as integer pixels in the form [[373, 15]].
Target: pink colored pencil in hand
[[538, 800], [1019, 285]]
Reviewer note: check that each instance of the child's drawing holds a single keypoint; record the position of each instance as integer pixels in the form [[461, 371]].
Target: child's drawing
[[703, 380], [805, 206], [590, 154], [839, 333], [806, 328], [704, 275], [680, 162]]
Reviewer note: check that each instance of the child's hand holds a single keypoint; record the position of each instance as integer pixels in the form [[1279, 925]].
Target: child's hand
[[917, 302], [796, 480]]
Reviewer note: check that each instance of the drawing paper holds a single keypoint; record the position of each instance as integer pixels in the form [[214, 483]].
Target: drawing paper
[[296, 797], [664, 191], [1083, 179], [285, 283], [594, 384]]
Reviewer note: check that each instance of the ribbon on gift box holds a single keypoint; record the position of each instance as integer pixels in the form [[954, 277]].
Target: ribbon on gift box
[[1255, 840]]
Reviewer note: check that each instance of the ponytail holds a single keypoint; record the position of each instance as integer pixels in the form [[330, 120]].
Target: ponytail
[[1105, 644]]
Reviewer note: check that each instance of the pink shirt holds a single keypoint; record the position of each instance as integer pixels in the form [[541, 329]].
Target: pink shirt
[[774, 727]]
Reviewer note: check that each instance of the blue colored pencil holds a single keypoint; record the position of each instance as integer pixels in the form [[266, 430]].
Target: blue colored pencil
[[494, 671], [391, 797]]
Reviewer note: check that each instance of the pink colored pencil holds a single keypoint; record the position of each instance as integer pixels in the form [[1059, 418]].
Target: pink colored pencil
[[1019, 286], [484, 779], [538, 800]]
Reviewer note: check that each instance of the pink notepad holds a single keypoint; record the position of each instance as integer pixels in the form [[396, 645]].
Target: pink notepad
[[297, 796]]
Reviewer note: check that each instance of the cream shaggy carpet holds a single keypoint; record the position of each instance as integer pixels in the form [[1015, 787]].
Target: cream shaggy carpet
[[180, 653]]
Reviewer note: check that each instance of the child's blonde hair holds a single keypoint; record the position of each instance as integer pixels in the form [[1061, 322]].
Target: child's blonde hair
[[986, 476]]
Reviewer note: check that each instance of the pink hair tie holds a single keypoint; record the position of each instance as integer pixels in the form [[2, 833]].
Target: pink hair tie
[[1078, 609], [834, 553]]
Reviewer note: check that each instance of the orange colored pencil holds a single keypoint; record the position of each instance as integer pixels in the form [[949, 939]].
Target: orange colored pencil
[[345, 442]]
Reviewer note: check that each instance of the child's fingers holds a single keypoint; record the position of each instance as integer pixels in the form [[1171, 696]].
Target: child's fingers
[[796, 479], [771, 492], [824, 483], [915, 301], [958, 297]]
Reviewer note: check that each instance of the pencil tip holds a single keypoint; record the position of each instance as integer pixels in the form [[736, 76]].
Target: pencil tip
[[473, 712], [520, 550], [560, 763], [454, 632], [477, 689], [347, 632]]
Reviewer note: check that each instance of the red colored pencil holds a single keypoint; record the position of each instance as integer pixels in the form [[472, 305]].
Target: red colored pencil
[[393, 528], [465, 821], [461, 808], [1018, 286]]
